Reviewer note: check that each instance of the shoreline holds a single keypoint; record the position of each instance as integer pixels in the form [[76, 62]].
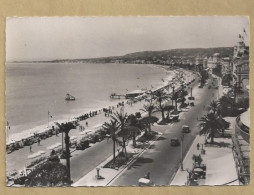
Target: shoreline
[[94, 124], [17, 137]]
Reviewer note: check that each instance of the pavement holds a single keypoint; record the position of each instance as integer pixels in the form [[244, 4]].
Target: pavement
[[220, 164]]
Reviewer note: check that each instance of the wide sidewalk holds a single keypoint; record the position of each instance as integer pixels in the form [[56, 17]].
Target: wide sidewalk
[[219, 160]]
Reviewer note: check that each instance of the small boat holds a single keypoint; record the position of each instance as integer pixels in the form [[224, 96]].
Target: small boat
[[69, 97]]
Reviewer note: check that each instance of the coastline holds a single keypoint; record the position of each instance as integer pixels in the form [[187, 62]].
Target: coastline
[[14, 137], [22, 155]]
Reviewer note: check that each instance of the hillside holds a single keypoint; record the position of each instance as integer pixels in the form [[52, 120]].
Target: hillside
[[151, 56]]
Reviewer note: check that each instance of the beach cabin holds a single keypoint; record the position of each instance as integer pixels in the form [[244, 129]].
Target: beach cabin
[[134, 94]]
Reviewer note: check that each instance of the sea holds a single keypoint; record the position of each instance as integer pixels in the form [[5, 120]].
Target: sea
[[34, 89]]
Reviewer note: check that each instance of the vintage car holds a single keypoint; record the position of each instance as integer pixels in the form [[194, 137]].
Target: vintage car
[[174, 141], [185, 129], [145, 182]]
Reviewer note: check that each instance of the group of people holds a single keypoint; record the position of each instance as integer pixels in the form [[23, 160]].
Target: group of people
[[88, 115]]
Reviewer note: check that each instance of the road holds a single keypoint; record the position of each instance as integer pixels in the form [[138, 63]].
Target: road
[[163, 160]]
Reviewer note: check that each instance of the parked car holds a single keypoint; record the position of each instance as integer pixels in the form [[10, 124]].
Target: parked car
[[174, 141], [185, 129], [83, 144]]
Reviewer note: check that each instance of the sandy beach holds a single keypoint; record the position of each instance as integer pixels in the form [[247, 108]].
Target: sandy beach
[[19, 159]]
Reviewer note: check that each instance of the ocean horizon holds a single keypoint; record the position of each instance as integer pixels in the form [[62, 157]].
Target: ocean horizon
[[33, 89]]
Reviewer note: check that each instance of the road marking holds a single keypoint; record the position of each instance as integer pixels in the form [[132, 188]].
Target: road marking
[[132, 161]]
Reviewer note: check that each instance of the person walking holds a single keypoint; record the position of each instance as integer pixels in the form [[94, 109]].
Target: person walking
[[198, 146], [30, 148], [147, 176]]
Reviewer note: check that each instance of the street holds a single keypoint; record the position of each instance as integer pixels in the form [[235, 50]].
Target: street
[[163, 160]]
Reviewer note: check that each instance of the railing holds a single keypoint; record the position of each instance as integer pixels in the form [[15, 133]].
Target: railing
[[242, 129]]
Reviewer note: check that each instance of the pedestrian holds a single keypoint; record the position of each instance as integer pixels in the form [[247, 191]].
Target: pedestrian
[[147, 176], [198, 146], [86, 123], [30, 148], [39, 141]]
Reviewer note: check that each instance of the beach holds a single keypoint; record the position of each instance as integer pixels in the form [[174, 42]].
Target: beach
[[21, 158]]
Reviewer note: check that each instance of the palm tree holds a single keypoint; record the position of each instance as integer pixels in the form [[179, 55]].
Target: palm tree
[[161, 96], [215, 107], [211, 124], [134, 126], [112, 129], [150, 109], [66, 127], [121, 121], [175, 97]]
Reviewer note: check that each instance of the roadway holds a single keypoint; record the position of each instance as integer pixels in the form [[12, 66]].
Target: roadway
[[163, 160]]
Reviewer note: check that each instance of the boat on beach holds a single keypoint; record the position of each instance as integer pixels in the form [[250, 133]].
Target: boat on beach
[[69, 97]]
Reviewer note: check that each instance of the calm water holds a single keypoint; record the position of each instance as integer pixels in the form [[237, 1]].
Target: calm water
[[33, 89]]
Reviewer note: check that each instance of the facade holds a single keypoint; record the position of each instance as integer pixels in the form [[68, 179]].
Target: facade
[[241, 138], [241, 65], [199, 63], [226, 66], [205, 60]]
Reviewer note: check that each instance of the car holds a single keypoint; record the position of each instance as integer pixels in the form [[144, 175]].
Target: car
[[145, 182], [174, 141], [185, 129]]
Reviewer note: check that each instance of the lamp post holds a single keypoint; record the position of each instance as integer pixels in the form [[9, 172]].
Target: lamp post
[[182, 151], [173, 87]]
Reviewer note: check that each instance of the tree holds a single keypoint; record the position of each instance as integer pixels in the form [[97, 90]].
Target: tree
[[112, 129], [134, 126], [168, 108], [121, 121], [211, 124], [204, 77], [215, 107], [227, 106], [48, 174], [150, 109], [175, 97], [65, 128], [161, 96]]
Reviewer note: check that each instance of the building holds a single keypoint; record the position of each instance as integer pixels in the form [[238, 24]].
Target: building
[[199, 64], [241, 137], [213, 61], [226, 66], [205, 62], [241, 65]]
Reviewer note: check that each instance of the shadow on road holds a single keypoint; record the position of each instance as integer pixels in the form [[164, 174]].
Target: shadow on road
[[161, 138], [140, 161]]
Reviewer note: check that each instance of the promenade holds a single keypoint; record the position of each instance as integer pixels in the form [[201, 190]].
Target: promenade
[[163, 160], [17, 160], [160, 159], [218, 159]]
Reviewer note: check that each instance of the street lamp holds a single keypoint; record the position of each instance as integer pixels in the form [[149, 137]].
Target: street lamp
[[182, 151], [173, 87]]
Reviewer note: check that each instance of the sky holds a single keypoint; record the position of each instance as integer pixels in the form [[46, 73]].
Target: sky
[[48, 38]]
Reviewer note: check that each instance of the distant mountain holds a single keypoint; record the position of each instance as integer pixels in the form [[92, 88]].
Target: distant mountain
[[190, 52], [153, 56]]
